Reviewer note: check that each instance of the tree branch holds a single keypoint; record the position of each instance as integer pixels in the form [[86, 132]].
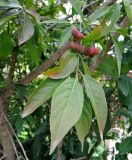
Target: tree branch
[[45, 65]]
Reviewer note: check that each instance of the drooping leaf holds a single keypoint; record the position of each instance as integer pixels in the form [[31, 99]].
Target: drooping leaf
[[76, 5], [66, 109], [66, 66], [98, 13], [96, 95], [27, 30], [5, 40], [40, 95], [85, 68], [84, 123], [118, 52], [126, 146], [128, 8]]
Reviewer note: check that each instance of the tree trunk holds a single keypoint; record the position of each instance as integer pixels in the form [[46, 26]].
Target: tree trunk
[[6, 137]]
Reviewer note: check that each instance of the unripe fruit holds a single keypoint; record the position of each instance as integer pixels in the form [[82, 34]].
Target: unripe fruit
[[91, 51], [77, 34]]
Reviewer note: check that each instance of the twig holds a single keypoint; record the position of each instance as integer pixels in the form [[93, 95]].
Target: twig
[[3, 157], [93, 149], [20, 144]]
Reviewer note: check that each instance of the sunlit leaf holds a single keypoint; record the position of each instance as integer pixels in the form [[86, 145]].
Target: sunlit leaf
[[84, 123], [66, 109], [98, 13], [76, 5], [56, 21], [96, 95], [65, 36], [128, 8], [66, 66], [27, 30], [40, 95]]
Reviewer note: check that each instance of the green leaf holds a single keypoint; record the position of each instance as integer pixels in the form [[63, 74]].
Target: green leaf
[[85, 68], [27, 30], [55, 21], [8, 3], [126, 146], [118, 52], [111, 19], [128, 8], [84, 123], [66, 66], [6, 45], [33, 50], [107, 24], [66, 109], [96, 95], [40, 95], [65, 36], [76, 5], [98, 13]]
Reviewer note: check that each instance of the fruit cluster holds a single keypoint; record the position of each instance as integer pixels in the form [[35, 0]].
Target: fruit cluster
[[87, 51]]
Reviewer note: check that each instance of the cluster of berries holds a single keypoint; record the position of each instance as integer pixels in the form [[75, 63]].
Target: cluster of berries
[[87, 51]]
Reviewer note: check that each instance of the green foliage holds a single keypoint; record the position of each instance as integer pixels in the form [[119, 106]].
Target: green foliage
[[85, 99]]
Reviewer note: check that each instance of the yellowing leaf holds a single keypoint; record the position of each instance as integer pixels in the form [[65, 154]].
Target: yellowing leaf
[[66, 66]]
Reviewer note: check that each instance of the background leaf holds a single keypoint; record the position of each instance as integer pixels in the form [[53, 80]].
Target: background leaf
[[126, 146], [118, 52], [27, 30], [66, 109], [84, 123], [99, 12], [76, 5], [96, 95], [128, 8], [5, 40]]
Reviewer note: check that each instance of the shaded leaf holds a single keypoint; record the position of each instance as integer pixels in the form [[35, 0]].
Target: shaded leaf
[[66, 66], [118, 52], [96, 95], [126, 146], [66, 109], [84, 123], [40, 95], [27, 30], [5, 40]]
